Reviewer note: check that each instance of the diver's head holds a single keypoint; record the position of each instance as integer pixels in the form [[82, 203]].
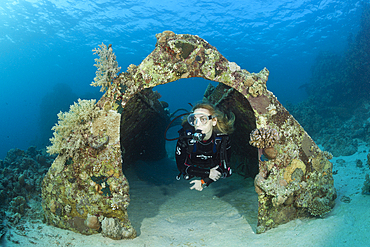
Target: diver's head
[[203, 121], [214, 120]]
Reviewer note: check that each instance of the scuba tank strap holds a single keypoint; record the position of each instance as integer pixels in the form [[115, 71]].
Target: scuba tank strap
[[226, 170], [218, 141]]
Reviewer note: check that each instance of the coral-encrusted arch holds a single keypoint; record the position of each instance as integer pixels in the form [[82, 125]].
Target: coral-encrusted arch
[[280, 198], [295, 182]]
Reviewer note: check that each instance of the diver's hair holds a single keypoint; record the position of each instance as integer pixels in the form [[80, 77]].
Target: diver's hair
[[224, 125]]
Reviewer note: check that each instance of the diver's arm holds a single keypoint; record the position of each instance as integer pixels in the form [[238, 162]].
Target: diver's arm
[[197, 172], [181, 154], [204, 174]]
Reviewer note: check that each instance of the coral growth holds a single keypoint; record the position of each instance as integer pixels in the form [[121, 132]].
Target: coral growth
[[18, 205], [129, 85], [21, 174], [98, 142], [86, 180], [319, 206], [293, 169], [270, 152], [320, 194], [113, 228], [107, 67], [257, 89], [366, 187], [72, 129], [263, 137], [328, 155], [92, 222]]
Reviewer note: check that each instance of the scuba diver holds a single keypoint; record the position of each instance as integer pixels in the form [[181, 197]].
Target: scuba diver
[[203, 148]]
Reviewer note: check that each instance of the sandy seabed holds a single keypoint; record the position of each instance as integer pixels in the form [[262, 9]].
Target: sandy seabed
[[165, 212]]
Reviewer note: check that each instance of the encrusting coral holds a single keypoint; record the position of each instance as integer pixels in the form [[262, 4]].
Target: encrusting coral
[[92, 222], [107, 67], [71, 132], [270, 152], [263, 137]]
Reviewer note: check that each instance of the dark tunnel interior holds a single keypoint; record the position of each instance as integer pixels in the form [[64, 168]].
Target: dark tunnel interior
[[145, 118]]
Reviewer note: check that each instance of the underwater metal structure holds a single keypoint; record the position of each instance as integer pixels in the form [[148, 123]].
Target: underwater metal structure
[[86, 191]]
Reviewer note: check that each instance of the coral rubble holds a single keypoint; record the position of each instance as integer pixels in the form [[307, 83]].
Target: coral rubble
[[366, 187]]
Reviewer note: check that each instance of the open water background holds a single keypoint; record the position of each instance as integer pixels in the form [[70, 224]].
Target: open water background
[[46, 58]]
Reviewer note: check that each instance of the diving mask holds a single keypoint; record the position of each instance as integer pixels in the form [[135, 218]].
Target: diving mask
[[194, 118]]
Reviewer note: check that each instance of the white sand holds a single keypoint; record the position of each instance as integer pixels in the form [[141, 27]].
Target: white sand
[[165, 212]]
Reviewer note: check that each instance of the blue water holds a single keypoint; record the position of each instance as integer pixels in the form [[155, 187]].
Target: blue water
[[45, 48]]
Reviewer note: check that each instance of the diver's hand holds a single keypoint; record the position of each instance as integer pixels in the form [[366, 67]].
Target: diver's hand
[[197, 185], [214, 174]]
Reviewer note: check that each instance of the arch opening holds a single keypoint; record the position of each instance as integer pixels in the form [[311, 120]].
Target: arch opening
[[155, 168], [145, 119]]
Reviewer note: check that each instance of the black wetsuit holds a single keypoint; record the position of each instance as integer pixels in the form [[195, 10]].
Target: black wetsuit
[[195, 159]]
